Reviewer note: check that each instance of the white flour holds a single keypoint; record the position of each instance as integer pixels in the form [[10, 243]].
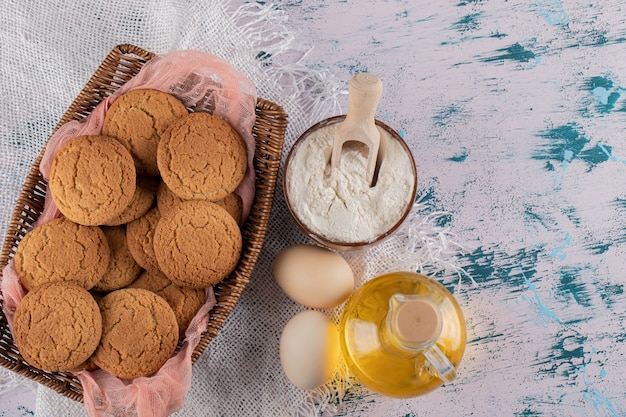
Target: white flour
[[339, 204]]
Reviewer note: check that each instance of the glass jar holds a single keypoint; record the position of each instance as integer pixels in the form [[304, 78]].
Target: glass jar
[[402, 334]]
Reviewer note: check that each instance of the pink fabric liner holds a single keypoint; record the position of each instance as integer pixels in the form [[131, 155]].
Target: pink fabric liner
[[203, 82], [158, 395]]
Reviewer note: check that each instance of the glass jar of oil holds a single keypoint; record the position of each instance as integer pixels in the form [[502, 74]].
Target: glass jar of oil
[[402, 334]]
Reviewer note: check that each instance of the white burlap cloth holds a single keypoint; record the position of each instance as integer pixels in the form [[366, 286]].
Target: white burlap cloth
[[50, 48]]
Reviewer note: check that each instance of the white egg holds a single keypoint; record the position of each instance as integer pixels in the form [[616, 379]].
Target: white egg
[[313, 276], [309, 349]]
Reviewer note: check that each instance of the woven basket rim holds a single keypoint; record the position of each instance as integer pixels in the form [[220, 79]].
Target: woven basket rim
[[119, 66]]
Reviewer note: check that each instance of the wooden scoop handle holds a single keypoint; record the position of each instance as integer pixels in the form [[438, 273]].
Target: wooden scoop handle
[[364, 92]]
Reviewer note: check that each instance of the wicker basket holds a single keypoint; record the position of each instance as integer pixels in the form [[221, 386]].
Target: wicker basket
[[122, 63]]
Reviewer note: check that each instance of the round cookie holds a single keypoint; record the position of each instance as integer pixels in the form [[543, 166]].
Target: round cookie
[[184, 301], [137, 119], [201, 157], [141, 202], [167, 200], [123, 269], [62, 250], [57, 326], [139, 238], [198, 244], [233, 205], [139, 333], [92, 179]]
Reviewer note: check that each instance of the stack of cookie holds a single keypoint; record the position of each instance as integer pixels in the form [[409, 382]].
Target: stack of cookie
[[150, 219]]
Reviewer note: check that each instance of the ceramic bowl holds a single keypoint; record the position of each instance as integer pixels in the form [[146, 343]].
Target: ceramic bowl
[[320, 238]]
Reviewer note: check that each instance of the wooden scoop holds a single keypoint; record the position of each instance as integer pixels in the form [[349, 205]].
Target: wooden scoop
[[364, 91]]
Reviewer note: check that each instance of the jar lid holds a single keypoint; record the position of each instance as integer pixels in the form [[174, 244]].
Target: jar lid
[[416, 320]]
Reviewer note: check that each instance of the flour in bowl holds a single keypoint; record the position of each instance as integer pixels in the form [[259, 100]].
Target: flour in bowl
[[339, 204]]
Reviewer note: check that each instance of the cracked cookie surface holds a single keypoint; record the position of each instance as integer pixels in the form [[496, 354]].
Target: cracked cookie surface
[[198, 244], [123, 269], [233, 205], [184, 301], [92, 179], [140, 238], [57, 326], [139, 333], [137, 119], [167, 200], [201, 157], [62, 250], [140, 203]]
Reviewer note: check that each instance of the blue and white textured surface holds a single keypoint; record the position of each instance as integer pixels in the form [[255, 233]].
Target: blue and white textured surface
[[515, 112]]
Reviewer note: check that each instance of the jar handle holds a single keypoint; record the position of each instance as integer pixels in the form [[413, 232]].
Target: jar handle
[[440, 362]]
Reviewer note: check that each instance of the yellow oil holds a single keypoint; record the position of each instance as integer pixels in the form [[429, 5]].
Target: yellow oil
[[381, 365]]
